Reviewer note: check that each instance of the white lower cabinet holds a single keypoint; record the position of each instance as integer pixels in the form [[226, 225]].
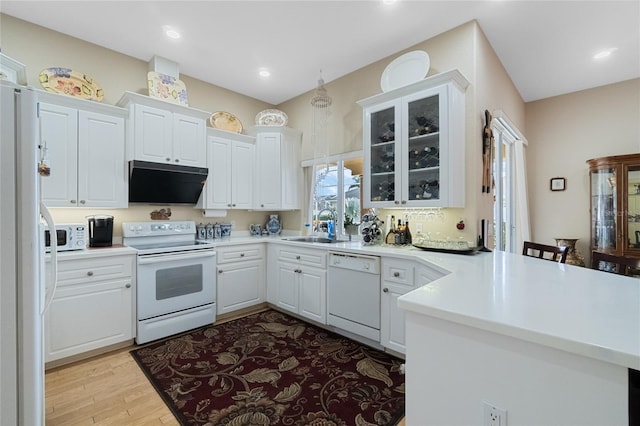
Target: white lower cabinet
[[300, 282], [399, 277], [92, 306], [240, 277]]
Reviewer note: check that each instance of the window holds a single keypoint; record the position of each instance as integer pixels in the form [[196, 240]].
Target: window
[[336, 194]]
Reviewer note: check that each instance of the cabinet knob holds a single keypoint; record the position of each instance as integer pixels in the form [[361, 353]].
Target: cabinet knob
[[219, 271], [404, 202], [127, 285], [261, 205], [168, 159], [90, 273], [83, 201], [73, 201], [396, 274], [396, 202], [241, 254], [385, 290], [177, 160], [228, 205], [298, 270], [233, 205], [298, 257]]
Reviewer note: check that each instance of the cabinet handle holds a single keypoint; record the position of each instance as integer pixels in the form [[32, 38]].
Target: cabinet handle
[[404, 202], [241, 254], [73, 201], [233, 205], [396, 274], [396, 202], [261, 205], [177, 160], [385, 290], [83, 202], [228, 205], [298, 257], [219, 271], [90, 273], [298, 270], [168, 159], [127, 285]]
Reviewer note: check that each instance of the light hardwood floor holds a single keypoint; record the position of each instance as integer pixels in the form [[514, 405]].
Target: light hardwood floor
[[109, 389]]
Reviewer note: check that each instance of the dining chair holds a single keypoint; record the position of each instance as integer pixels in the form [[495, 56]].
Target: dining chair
[[544, 251], [616, 264]]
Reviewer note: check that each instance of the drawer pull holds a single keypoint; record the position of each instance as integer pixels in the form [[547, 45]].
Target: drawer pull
[[298, 257], [396, 274], [219, 271], [127, 285], [90, 273], [386, 290], [241, 254]]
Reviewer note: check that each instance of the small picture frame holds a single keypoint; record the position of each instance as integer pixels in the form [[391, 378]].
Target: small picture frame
[[558, 184]]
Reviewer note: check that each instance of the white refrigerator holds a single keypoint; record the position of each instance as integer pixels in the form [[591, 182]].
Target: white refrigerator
[[23, 295]]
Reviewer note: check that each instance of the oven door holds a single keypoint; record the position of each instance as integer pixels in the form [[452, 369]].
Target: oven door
[[171, 282]]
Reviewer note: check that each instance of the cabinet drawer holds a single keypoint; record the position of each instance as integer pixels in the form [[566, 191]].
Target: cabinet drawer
[[80, 271], [398, 271], [316, 258], [234, 254]]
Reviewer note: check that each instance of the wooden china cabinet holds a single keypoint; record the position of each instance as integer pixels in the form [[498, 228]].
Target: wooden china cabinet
[[615, 204]]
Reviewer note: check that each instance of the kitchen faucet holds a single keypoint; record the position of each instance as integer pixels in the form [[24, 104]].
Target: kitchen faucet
[[331, 227]]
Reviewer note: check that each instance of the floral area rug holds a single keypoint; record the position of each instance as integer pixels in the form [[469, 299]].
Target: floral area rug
[[272, 369]]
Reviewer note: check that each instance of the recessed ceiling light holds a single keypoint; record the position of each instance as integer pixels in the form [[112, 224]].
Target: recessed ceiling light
[[171, 32], [264, 73], [604, 53]]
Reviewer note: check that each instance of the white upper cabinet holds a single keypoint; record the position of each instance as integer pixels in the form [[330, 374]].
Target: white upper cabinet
[[278, 171], [231, 164], [163, 132], [85, 145], [414, 144]]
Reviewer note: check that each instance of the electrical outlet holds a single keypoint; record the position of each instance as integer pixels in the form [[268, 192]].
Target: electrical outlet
[[494, 416]]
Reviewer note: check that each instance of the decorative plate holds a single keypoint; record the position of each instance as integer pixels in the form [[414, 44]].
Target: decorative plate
[[72, 83], [406, 69], [167, 88], [273, 225], [225, 121], [271, 117]]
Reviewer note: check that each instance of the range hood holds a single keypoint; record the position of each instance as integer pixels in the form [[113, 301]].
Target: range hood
[[160, 183]]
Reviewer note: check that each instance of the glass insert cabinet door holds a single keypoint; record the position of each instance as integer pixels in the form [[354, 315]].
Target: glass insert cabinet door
[[604, 209], [384, 151], [632, 174], [423, 154]]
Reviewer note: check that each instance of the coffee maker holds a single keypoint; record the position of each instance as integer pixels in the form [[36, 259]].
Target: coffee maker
[[100, 230]]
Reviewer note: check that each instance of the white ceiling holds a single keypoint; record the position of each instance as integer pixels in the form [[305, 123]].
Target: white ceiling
[[545, 46]]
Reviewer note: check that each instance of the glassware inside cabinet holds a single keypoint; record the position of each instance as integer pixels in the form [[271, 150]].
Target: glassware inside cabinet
[[604, 210]]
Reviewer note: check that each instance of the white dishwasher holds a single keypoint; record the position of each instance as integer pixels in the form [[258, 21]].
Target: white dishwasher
[[353, 294]]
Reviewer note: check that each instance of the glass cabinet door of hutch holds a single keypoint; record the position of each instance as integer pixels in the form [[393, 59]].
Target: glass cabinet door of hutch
[[423, 148], [633, 206], [383, 155], [604, 209]]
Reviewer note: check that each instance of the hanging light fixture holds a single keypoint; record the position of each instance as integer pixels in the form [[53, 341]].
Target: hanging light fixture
[[320, 104]]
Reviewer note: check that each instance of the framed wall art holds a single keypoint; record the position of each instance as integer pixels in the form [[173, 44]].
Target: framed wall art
[[558, 184]]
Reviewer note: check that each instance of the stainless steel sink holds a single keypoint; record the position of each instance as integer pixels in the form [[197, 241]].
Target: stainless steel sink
[[324, 240]]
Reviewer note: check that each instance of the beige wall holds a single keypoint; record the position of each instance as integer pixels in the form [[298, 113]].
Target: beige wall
[[564, 132]]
